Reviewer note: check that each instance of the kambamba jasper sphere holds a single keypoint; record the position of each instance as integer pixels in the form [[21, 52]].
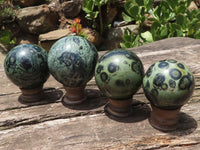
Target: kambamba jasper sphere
[[26, 66], [168, 84], [72, 60], [119, 74]]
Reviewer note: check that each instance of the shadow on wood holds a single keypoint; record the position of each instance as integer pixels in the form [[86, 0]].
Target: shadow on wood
[[139, 112], [94, 100], [186, 125], [51, 95]]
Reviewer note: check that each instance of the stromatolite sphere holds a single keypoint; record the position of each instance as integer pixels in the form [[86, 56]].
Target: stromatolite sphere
[[168, 84], [72, 61], [119, 74], [26, 66]]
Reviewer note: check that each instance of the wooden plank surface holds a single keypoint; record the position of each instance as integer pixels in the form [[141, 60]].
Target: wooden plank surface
[[51, 125]]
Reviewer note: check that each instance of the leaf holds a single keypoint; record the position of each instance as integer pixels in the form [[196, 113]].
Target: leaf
[[126, 32], [194, 22], [140, 2], [181, 9], [172, 16], [179, 33], [136, 41], [5, 40], [133, 11], [182, 20], [143, 18], [129, 44], [127, 18], [128, 5], [164, 5], [148, 4], [191, 14], [187, 3], [152, 19], [172, 4], [197, 35], [96, 14], [147, 36], [164, 32], [195, 26], [142, 11], [198, 14], [88, 6], [170, 35], [5, 37], [174, 27], [166, 16], [157, 13], [122, 45], [155, 26], [126, 38]]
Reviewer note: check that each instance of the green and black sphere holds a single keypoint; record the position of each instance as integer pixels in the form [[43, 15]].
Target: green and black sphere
[[26, 66], [168, 84]]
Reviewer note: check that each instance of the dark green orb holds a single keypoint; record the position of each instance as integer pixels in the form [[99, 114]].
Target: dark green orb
[[26, 66], [72, 61], [119, 74], [168, 84]]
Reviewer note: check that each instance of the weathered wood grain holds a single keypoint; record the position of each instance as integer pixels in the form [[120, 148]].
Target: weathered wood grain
[[99, 132], [50, 125]]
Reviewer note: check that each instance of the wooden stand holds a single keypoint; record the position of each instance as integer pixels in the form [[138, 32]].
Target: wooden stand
[[31, 95], [74, 95], [118, 108], [164, 120]]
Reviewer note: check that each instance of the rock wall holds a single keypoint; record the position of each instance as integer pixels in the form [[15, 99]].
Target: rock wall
[[43, 22]]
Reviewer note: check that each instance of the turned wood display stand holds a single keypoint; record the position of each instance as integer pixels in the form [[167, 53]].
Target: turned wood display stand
[[118, 108], [164, 120], [31, 95], [74, 95]]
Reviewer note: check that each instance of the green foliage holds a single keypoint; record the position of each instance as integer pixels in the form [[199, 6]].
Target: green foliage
[[91, 14], [93, 10], [170, 19], [2, 1], [173, 19], [132, 40], [137, 10], [7, 12], [6, 38], [89, 8]]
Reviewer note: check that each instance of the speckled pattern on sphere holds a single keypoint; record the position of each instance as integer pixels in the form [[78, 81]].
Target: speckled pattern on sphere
[[168, 84], [72, 61], [119, 74], [26, 66]]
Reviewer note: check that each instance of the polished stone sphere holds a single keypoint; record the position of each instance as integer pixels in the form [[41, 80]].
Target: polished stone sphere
[[168, 84], [26, 66], [72, 61], [119, 74]]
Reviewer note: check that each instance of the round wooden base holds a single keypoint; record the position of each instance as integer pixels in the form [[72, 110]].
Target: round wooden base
[[74, 95], [164, 120], [31, 95], [118, 108]]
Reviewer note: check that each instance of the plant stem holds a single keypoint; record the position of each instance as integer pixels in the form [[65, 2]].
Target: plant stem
[[101, 21]]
